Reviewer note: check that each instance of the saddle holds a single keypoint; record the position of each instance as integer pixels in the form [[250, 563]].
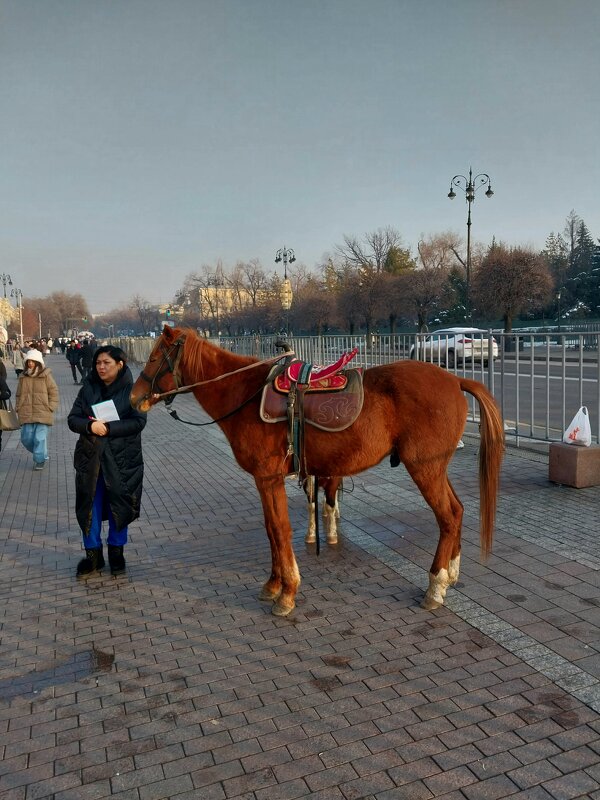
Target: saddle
[[324, 397], [314, 379]]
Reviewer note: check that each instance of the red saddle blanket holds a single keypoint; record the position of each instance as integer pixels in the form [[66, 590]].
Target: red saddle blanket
[[328, 409], [326, 378], [331, 383]]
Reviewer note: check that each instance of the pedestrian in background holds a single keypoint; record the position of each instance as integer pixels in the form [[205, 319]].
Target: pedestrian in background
[[37, 400], [17, 360], [87, 353], [108, 461], [4, 389], [74, 358]]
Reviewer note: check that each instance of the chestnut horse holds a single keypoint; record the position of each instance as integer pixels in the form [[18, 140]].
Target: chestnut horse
[[413, 411]]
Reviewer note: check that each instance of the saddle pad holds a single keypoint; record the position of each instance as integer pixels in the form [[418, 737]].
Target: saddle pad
[[327, 410]]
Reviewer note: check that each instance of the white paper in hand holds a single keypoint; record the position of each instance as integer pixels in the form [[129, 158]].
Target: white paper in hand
[[106, 411]]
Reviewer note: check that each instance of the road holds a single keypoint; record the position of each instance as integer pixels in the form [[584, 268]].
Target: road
[[544, 399]]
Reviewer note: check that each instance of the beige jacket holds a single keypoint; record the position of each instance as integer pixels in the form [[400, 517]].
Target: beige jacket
[[37, 397]]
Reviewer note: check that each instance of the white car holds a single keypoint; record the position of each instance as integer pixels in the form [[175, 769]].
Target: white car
[[450, 346]]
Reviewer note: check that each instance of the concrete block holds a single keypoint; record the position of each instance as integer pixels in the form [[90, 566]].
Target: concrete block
[[573, 465]]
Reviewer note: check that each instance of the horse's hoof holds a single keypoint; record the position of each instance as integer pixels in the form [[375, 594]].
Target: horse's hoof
[[268, 594], [332, 540], [310, 538], [279, 610], [429, 604]]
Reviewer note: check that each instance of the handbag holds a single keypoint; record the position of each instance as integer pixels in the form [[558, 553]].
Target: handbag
[[579, 431], [9, 421]]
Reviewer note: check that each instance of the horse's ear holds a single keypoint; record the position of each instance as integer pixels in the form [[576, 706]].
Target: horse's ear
[[167, 333]]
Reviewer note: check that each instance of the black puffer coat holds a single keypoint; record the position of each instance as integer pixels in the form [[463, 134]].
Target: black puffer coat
[[118, 455]]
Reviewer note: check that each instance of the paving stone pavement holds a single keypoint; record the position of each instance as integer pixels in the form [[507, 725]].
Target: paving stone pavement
[[176, 682]]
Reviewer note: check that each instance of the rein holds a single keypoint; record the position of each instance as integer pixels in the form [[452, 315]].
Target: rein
[[173, 412], [189, 387], [172, 367]]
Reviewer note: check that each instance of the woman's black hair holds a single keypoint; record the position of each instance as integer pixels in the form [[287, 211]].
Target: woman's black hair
[[114, 352]]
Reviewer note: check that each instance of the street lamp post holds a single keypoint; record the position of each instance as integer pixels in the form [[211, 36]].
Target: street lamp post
[[287, 255], [6, 279], [18, 295], [558, 295], [469, 186]]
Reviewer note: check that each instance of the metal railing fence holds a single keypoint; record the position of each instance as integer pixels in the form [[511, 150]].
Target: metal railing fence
[[539, 380]]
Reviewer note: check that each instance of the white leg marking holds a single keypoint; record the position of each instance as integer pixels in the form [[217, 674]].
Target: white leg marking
[[330, 518], [336, 506], [311, 533], [294, 574], [454, 569], [438, 584]]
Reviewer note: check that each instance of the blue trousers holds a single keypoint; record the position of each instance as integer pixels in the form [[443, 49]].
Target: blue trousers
[[34, 437], [93, 540]]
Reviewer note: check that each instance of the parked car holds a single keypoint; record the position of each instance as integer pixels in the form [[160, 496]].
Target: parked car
[[450, 346]]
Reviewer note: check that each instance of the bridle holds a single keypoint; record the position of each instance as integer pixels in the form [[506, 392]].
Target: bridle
[[171, 360], [171, 366]]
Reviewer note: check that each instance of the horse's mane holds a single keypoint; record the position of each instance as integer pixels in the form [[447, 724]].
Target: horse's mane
[[197, 351]]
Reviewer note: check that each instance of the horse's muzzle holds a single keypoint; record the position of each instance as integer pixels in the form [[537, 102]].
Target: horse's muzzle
[[141, 402]]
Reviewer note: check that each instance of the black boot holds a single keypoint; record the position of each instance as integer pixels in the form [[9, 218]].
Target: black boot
[[93, 562], [115, 559]]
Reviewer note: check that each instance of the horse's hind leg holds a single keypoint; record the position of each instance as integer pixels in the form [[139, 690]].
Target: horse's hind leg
[[331, 509], [284, 580], [437, 490]]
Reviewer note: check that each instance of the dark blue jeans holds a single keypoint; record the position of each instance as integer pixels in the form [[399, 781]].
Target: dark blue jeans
[[93, 540]]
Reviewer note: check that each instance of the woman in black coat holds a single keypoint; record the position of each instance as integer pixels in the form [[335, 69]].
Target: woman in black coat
[[108, 459], [4, 390]]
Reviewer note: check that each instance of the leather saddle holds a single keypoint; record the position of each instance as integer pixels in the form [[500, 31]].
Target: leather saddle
[[331, 399]]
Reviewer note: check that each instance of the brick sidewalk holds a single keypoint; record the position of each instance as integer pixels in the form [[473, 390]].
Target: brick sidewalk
[[176, 682]]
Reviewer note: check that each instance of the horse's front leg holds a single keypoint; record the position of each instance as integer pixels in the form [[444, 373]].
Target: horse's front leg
[[284, 580]]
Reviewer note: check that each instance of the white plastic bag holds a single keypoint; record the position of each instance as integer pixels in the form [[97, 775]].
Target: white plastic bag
[[579, 431]]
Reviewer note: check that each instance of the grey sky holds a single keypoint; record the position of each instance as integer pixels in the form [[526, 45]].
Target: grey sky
[[144, 138]]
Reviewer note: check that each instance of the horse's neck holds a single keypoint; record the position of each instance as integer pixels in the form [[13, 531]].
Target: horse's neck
[[211, 363]]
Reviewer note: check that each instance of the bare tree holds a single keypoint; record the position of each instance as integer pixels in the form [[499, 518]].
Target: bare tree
[[511, 280], [373, 251], [146, 313], [425, 293], [428, 289], [60, 312], [313, 306], [440, 251], [570, 234], [254, 281]]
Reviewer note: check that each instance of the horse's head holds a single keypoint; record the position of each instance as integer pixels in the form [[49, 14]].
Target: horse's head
[[161, 372]]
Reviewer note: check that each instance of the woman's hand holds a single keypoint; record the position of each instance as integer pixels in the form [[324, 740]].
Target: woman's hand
[[99, 428]]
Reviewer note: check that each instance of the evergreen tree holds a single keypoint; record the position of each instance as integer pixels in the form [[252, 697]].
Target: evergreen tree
[[584, 249], [556, 255]]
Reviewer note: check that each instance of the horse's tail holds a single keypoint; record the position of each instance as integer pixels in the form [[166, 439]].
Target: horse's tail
[[490, 458]]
